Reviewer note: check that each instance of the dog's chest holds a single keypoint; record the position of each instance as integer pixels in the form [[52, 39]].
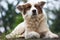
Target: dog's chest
[[34, 23]]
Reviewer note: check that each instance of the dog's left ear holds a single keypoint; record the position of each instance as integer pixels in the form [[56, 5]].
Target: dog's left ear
[[42, 4], [20, 7]]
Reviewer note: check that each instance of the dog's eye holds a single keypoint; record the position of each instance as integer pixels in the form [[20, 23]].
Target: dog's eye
[[28, 7], [37, 6]]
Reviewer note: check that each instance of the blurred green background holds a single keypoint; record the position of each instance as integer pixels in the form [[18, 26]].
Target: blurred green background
[[10, 17]]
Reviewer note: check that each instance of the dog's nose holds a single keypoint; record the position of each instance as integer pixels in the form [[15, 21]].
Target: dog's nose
[[34, 12]]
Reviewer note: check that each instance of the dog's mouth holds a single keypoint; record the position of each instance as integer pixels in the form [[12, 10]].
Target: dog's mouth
[[34, 13], [34, 16]]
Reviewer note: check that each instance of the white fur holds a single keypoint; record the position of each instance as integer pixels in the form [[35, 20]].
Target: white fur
[[17, 31], [31, 35], [49, 34]]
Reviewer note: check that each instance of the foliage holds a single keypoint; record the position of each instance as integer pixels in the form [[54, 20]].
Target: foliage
[[56, 23], [18, 19], [11, 18]]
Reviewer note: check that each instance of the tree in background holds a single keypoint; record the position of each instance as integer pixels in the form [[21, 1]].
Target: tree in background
[[53, 13], [56, 23], [9, 17]]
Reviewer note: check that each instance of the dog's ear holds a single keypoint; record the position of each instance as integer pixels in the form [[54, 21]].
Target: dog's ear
[[42, 3], [20, 7]]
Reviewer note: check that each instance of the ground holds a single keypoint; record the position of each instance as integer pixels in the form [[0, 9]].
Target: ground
[[2, 37]]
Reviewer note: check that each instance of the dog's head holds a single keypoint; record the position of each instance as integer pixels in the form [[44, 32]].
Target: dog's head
[[31, 9]]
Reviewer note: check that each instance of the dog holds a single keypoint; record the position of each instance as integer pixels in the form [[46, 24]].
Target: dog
[[35, 22]]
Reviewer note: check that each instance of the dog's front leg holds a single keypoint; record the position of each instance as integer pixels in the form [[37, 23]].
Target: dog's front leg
[[17, 31], [49, 34], [32, 35]]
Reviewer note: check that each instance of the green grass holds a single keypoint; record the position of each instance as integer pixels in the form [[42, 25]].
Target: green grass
[[2, 37]]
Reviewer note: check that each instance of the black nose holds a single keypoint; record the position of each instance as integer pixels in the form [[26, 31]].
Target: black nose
[[34, 12]]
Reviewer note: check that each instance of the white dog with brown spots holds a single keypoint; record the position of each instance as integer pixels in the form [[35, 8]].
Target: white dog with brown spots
[[35, 22]]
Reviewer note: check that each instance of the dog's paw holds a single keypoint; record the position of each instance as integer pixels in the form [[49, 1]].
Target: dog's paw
[[32, 35], [51, 35], [8, 36]]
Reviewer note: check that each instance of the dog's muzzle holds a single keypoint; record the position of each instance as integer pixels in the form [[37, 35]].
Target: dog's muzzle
[[34, 12]]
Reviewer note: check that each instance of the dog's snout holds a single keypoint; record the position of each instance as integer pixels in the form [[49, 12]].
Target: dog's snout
[[34, 11]]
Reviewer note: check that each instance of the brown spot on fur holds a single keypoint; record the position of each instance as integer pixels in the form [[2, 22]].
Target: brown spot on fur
[[38, 8], [26, 7]]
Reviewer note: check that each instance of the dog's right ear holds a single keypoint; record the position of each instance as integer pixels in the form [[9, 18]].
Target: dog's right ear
[[20, 7], [42, 4]]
